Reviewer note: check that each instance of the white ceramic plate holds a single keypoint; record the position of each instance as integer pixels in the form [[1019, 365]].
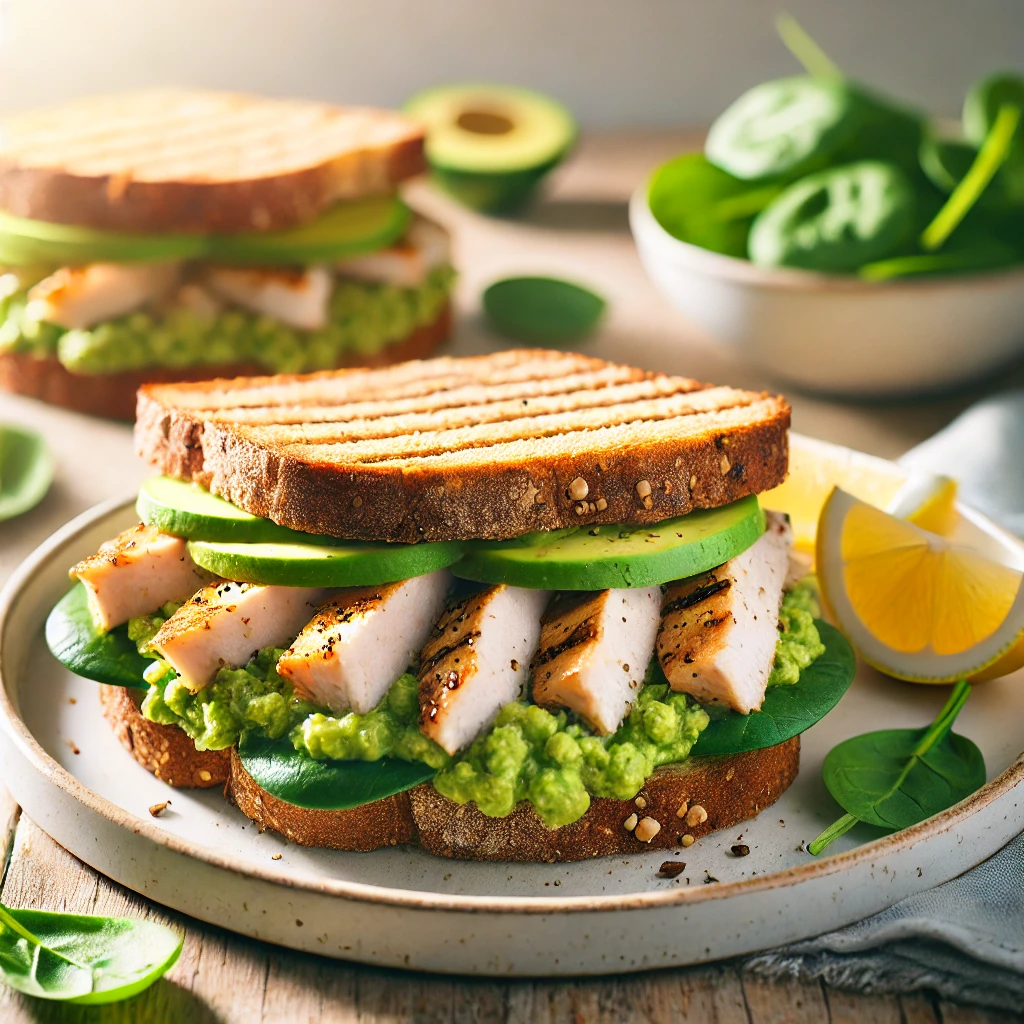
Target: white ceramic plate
[[402, 907]]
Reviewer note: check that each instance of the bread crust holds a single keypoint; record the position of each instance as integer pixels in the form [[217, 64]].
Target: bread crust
[[113, 395], [163, 750], [372, 826], [730, 789], [109, 175], [642, 471]]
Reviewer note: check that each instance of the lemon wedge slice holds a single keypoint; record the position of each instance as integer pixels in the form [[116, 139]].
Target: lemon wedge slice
[[914, 605], [815, 467]]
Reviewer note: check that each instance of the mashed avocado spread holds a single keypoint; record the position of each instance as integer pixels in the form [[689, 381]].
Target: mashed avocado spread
[[363, 319], [547, 757]]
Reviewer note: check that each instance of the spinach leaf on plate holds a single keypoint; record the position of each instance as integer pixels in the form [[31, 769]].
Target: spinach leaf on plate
[[790, 710], [26, 470], [896, 778], [80, 958], [78, 645], [292, 775]]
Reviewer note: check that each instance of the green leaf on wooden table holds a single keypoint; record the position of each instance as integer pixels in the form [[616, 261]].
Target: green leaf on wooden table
[[295, 777], [26, 470], [542, 310], [896, 778], [78, 645], [788, 710], [83, 959]]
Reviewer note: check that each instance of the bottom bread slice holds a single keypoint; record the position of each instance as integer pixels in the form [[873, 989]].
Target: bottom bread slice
[[163, 750], [692, 798], [112, 395]]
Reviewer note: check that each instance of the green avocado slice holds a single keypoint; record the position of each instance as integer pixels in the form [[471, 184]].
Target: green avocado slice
[[342, 564], [25, 242], [187, 510], [489, 145], [347, 229], [602, 557]]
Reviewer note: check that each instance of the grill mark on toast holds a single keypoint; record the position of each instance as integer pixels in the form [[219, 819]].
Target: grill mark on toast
[[518, 439], [461, 396], [523, 416], [418, 377]]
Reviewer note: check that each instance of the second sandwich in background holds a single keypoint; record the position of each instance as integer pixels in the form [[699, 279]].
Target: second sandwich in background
[[178, 235]]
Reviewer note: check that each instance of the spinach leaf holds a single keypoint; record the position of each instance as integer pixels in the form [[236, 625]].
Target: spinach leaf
[[699, 203], [292, 775], [80, 958], [787, 711], [897, 777], [542, 310], [78, 645], [26, 470]]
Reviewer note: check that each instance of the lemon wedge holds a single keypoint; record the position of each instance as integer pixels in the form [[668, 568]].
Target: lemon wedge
[[815, 467], [915, 605]]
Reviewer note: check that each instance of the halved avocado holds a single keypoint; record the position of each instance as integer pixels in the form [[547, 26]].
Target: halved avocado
[[24, 242], [489, 145]]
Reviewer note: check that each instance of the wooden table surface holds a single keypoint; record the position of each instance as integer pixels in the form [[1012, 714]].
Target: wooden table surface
[[579, 230]]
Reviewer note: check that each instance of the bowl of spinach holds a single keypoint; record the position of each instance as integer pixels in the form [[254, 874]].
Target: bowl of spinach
[[843, 241]]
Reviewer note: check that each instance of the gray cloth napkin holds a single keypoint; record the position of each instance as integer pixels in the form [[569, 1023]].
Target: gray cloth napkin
[[965, 939]]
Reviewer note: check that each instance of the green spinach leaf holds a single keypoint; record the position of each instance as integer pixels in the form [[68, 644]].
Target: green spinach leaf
[[299, 779], [26, 470], [80, 958], [542, 310], [78, 645], [697, 202], [787, 711], [896, 778]]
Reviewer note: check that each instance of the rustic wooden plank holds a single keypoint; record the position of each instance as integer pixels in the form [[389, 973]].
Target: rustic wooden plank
[[854, 1008], [787, 1002], [954, 1013], [8, 821], [918, 1008]]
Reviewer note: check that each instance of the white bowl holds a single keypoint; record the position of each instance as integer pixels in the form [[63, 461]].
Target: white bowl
[[834, 334]]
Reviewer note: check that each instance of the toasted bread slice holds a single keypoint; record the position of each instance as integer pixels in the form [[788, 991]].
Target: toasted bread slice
[[482, 447], [112, 395], [716, 792], [163, 750], [169, 160], [386, 822]]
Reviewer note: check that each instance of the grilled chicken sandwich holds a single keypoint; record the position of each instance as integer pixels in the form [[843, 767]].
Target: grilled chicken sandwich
[[524, 606], [182, 235]]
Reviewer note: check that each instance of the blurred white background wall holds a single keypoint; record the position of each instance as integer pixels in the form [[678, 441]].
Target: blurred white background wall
[[615, 62]]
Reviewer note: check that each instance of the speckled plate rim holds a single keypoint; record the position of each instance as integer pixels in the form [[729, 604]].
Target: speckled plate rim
[[362, 892]]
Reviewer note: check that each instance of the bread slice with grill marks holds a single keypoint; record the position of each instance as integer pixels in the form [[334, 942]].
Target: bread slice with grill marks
[[467, 448], [173, 160]]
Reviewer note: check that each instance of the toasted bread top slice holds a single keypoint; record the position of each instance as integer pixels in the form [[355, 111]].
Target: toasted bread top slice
[[170, 160], [487, 447]]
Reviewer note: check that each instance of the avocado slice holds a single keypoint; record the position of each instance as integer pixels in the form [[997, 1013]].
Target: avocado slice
[[187, 510], [602, 557], [489, 145], [24, 242], [346, 229], [342, 564]]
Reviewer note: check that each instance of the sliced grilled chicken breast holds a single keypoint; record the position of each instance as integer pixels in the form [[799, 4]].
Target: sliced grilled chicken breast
[[719, 630], [226, 623], [594, 651], [75, 297], [476, 662], [297, 297], [405, 264], [136, 573], [360, 642]]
